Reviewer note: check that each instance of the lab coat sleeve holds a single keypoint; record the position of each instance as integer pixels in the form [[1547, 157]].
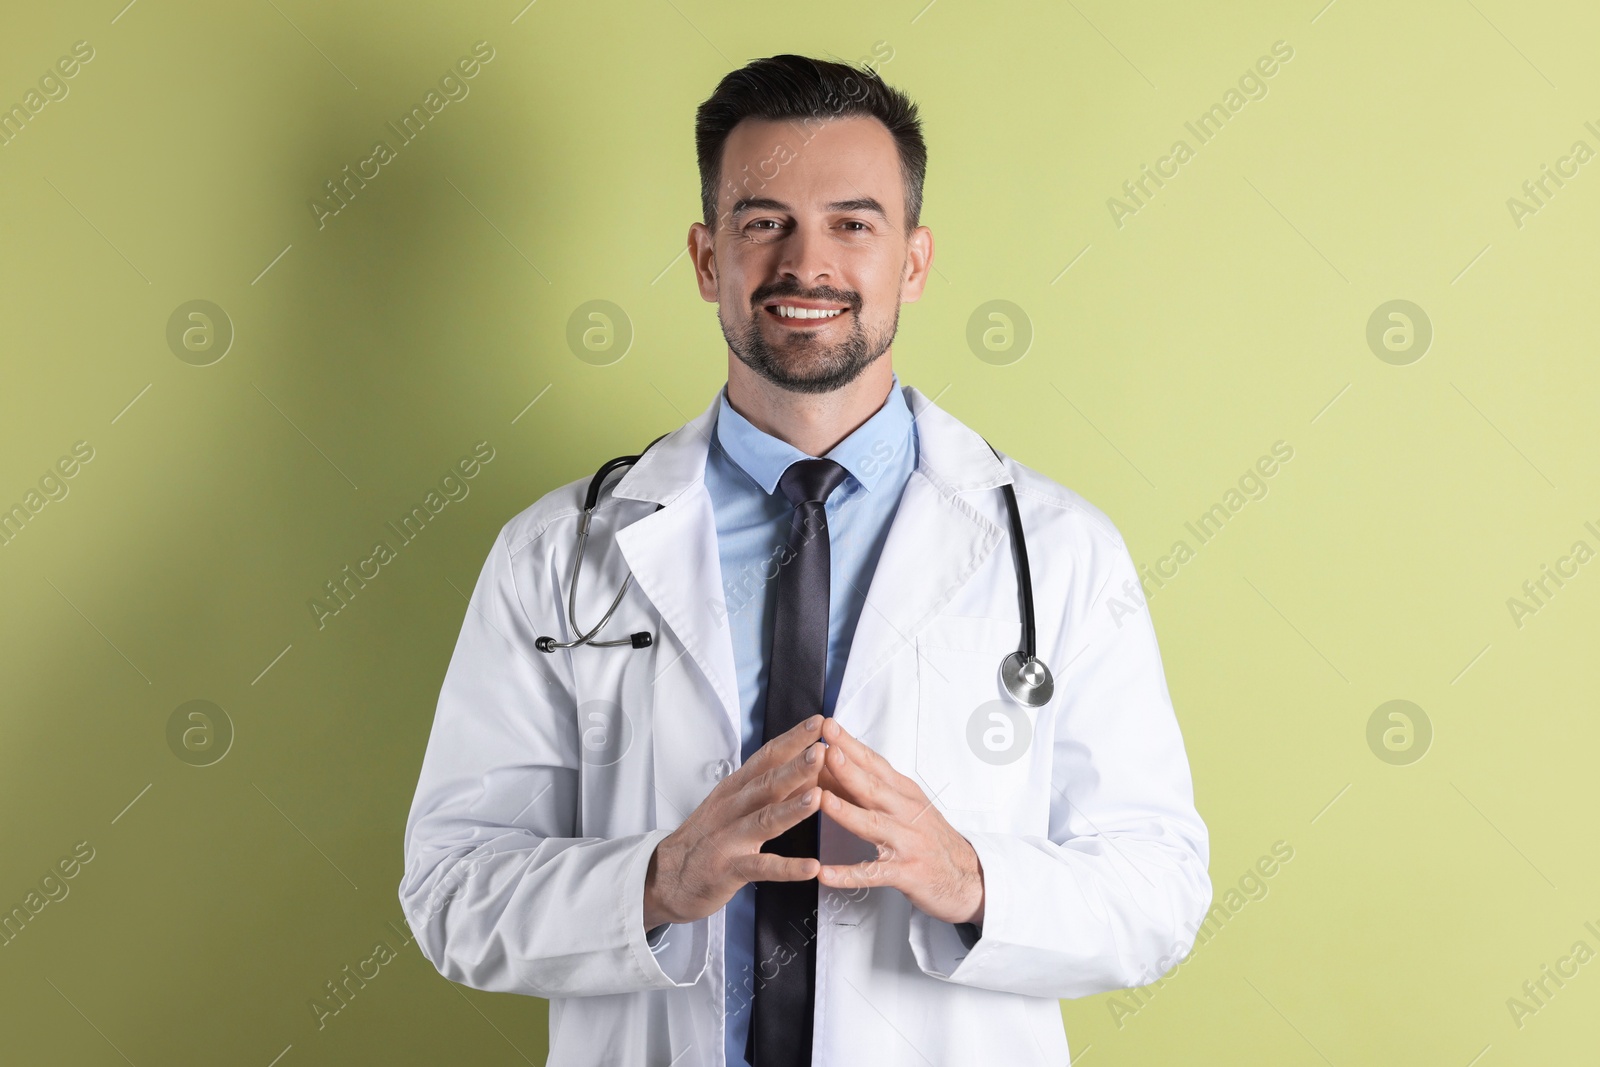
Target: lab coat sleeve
[[1113, 897], [498, 889]]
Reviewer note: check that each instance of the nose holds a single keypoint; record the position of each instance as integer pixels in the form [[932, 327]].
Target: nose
[[805, 257]]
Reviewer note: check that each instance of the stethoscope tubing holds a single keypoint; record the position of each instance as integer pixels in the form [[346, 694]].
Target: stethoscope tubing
[[1024, 660], [1019, 547], [591, 500]]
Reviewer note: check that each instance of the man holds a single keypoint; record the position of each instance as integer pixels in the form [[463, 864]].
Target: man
[[806, 825]]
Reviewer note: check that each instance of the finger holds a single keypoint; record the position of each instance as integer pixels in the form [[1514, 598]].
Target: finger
[[826, 779], [787, 745], [860, 875], [860, 784], [782, 748], [771, 867], [869, 759], [801, 733], [861, 752], [782, 782], [807, 781], [770, 820], [871, 826]]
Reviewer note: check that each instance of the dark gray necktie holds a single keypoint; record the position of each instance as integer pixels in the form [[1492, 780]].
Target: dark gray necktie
[[786, 912]]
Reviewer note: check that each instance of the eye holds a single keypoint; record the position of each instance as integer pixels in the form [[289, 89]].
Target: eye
[[759, 222], [857, 222]]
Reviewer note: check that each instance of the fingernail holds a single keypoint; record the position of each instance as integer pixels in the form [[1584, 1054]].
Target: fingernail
[[807, 797], [814, 722], [811, 754]]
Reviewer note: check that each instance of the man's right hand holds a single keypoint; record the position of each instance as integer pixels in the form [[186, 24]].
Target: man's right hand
[[698, 867]]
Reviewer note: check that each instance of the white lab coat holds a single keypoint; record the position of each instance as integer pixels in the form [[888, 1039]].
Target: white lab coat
[[550, 778]]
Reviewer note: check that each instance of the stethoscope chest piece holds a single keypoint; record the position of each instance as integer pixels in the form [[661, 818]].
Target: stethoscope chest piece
[[1027, 679]]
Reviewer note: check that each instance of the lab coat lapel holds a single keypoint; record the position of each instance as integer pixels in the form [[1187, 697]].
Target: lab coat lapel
[[936, 542], [673, 555]]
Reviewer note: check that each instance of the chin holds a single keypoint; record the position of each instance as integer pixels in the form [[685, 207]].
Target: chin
[[806, 374], [802, 365]]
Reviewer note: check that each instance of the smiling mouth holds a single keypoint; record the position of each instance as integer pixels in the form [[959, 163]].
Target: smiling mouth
[[795, 315]]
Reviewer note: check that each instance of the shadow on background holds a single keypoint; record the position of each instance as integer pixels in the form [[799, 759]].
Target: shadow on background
[[1169, 350]]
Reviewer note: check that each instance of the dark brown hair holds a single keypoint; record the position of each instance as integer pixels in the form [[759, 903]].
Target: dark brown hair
[[798, 87]]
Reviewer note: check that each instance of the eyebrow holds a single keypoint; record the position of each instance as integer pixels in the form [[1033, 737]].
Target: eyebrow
[[764, 203]]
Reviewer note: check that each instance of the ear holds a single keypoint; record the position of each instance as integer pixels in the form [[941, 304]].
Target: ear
[[919, 260], [703, 254]]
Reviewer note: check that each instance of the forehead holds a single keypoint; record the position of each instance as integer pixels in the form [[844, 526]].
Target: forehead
[[806, 162]]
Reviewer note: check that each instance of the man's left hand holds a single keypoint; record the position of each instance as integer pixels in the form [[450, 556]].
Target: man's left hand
[[919, 852]]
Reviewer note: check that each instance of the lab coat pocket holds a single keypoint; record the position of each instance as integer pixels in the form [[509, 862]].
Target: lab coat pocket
[[614, 732], [973, 740]]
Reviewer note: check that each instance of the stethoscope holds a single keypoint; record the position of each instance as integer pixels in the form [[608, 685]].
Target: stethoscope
[[1022, 672]]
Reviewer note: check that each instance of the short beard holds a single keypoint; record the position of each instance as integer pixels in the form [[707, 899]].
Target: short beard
[[841, 365]]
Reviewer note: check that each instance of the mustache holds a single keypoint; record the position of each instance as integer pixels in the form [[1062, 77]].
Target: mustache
[[766, 295]]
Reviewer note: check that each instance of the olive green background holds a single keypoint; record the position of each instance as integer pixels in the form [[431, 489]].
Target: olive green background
[[1228, 314]]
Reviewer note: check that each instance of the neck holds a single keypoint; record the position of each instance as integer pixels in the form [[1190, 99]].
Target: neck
[[812, 422]]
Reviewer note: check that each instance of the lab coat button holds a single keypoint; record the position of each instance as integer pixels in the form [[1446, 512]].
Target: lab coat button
[[720, 770]]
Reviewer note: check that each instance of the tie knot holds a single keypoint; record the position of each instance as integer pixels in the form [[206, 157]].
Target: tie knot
[[811, 480]]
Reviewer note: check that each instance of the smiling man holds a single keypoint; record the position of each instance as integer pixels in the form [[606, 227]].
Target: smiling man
[[818, 800], [815, 336]]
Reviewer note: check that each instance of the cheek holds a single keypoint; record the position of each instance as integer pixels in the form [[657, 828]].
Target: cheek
[[741, 269], [880, 297], [879, 281], [735, 309]]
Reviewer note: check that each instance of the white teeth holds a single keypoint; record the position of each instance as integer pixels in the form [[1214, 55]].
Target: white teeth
[[787, 312]]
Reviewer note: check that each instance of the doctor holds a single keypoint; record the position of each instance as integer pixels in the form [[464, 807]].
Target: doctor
[[805, 823]]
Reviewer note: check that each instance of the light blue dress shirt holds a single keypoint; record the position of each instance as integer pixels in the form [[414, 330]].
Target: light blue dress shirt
[[743, 466]]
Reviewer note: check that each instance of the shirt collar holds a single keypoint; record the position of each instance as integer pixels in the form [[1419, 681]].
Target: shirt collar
[[866, 454]]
